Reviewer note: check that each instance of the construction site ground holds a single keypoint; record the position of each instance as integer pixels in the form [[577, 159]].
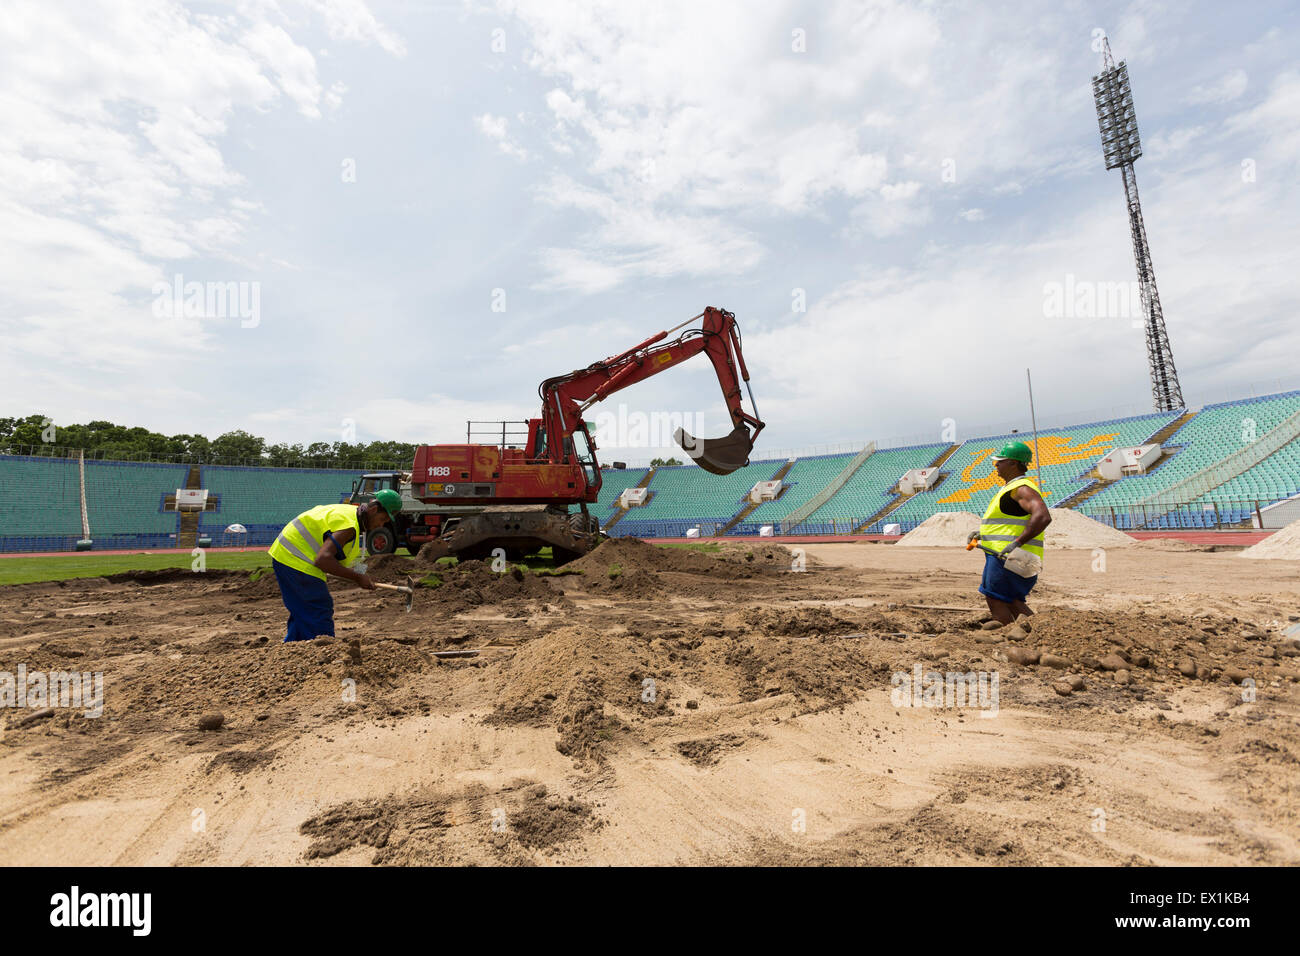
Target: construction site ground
[[666, 706]]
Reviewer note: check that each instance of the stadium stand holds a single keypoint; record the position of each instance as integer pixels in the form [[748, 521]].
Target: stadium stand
[[968, 477], [263, 500], [613, 482], [868, 490], [685, 496], [1216, 432], [40, 503], [804, 479]]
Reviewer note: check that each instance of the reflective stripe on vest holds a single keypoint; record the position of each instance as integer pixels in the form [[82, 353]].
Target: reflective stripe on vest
[[998, 529], [302, 538]]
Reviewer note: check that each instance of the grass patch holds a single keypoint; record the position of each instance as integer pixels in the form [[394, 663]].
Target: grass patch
[[82, 565], [430, 581], [706, 547], [615, 570]]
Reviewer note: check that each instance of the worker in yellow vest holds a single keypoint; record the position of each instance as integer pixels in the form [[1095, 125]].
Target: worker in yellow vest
[[1011, 536], [324, 540]]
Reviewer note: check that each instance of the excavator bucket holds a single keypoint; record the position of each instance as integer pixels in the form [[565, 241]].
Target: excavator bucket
[[721, 456]]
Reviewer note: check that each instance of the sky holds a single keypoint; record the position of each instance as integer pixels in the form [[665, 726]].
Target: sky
[[401, 215]]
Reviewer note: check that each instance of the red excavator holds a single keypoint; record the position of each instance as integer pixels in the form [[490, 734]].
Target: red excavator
[[526, 481]]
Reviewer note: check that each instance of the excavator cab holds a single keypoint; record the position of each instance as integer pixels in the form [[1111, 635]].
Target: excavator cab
[[719, 456]]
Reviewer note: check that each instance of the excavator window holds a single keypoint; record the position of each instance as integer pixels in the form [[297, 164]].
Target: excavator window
[[585, 457]]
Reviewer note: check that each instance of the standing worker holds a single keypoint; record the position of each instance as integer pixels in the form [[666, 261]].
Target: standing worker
[[1011, 535], [324, 540]]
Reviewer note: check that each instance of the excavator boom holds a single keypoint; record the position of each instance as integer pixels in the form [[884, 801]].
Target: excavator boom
[[566, 397]]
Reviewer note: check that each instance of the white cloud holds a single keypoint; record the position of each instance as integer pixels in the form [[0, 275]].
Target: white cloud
[[351, 20], [971, 215], [112, 164], [1223, 90], [496, 128]]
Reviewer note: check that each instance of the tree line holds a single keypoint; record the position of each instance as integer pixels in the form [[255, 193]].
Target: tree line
[[36, 435]]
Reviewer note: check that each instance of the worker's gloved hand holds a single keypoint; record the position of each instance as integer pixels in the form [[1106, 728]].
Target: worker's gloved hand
[[365, 583], [972, 538], [1005, 554]]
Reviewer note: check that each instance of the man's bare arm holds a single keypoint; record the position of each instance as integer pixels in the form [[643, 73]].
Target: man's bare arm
[[1039, 516]]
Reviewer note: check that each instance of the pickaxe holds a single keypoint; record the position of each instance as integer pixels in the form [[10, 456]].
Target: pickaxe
[[408, 589]]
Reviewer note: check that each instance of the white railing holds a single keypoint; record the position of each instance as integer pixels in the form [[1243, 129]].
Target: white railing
[[800, 514], [1207, 479]]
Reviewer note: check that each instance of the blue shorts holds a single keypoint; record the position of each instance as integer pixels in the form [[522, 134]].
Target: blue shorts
[[311, 609], [1003, 585]]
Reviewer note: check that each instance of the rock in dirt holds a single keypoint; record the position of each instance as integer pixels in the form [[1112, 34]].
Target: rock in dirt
[[1022, 655], [1121, 676], [1236, 675], [1063, 688], [1054, 661], [1187, 668], [1113, 662], [212, 721]]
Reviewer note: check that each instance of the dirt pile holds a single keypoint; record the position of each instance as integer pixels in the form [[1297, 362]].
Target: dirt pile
[[624, 555], [1284, 544], [433, 828], [1069, 529], [565, 678], [774, 556], [943, 529]]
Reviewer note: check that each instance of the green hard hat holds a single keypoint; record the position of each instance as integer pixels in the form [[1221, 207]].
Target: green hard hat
[[389, 500], [1016, 450]]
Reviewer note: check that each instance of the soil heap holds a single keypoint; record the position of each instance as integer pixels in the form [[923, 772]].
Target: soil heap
[[1283, 544]]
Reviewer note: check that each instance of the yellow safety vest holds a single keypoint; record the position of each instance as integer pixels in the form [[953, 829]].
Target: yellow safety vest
[[998, 529], [304, 536]]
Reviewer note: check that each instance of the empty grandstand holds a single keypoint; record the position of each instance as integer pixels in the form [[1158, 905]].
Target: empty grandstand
[[262, 500], [1222, 466]]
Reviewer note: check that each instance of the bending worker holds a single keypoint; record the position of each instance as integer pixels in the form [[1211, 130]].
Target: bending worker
[[324, 540], [1011, 535]]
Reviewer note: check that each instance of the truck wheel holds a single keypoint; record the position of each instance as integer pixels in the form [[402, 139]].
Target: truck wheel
[[381, 540], [590, 526]]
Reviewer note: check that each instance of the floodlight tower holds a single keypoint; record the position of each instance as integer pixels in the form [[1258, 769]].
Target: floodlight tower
[[1120, 147]]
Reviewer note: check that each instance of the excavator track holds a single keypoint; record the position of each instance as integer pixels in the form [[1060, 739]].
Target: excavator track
[[518, 533]]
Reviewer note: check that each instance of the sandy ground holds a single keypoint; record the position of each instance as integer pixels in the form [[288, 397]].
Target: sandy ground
[[667, 708]]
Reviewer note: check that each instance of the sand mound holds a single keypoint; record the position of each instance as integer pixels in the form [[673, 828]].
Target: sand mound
[[943, 529], [1284, 544], [1069, 529]]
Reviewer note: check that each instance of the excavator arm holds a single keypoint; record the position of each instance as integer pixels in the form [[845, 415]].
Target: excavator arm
[[566, 397]]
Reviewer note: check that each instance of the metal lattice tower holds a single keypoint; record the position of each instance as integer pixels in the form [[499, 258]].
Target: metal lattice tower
[[1120, 147]]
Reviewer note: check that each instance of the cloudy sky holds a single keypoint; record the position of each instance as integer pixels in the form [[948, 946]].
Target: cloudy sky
[[425, 209]]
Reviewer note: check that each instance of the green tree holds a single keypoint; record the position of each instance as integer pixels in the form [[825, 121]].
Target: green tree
[[238, 445]]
